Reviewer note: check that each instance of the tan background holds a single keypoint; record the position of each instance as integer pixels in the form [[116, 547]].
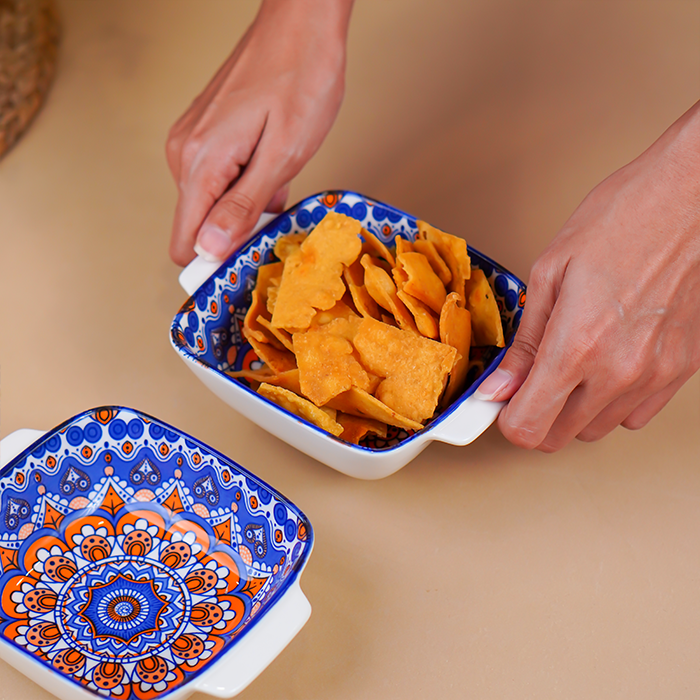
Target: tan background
[[477, 572]]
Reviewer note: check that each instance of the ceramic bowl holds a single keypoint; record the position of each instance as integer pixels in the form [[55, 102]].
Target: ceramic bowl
[[136, 562], [206, 333]]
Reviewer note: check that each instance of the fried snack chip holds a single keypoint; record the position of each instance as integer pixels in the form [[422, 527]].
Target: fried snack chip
[[312, 277], [415, 369], [355, 337], [403, 245], [279, 334], [327, 364], [287, 380], [374, 246], [323, 418], [339, 310], [487, 328], [355, 428], [439, 266], [452, 250], [422, 282], [255, 376], [361, 403], [272, 292], [277, 360], [258, 304], [354, 278], [456, 330], [288, 244], [425, 321], [400, 277], [382, 289]]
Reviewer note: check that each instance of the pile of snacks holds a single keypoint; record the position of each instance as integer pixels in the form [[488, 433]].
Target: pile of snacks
[[356, 337]]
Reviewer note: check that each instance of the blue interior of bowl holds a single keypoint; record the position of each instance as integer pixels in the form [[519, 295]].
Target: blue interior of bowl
[[132, 555], [208, 328]]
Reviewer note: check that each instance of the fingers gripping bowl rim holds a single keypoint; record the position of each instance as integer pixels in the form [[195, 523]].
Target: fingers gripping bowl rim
[[207, 335]]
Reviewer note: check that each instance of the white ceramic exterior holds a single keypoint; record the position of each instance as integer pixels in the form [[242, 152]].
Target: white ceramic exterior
[[466, 423]]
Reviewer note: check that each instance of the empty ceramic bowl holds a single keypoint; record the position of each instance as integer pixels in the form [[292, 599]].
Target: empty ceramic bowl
[[136, 562], [207, 334]]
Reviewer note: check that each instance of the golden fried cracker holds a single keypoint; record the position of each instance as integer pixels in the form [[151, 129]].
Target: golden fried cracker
[[312, 277], [301, 407], [361, 403], [288, 244], [487, 328], [282, 336], [339, 310], [403, 245], [355, 280], [277, 360], [400, 276], [258, 303], [422, 282], [327, 365], [375, 247], [425, 321], [383, 290], [456, 330], [356, 427], [287, 380], [272, 292], [436, 262], [415, 369], [252, 375], [453, 250]]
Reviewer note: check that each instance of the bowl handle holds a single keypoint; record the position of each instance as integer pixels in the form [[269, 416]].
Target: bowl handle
[[467, 422], [194, 275], [258, 647], [14, 443]]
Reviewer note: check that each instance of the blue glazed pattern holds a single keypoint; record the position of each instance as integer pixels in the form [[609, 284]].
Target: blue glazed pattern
[[131, 555], [208, 328]]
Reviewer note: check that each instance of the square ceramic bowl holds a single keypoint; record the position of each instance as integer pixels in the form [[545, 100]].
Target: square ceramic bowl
[[136, 562], [207, 335]]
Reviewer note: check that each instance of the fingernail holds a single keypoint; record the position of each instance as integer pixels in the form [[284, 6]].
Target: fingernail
[[212, 243], [493, 385]]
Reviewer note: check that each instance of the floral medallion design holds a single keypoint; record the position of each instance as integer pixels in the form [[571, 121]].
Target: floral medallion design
[[208, 328], [132, 556]]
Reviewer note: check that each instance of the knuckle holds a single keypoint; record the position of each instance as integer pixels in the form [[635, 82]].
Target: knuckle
[[573, 362], [519, 435], [189, 150], [630, 370], [524, 347], [541, 273], [238, 206]]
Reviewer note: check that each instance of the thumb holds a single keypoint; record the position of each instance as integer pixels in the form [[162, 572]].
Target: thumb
[[513, 370], [229, 222]]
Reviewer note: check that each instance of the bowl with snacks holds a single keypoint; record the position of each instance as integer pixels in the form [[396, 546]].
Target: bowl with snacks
[[352, 330], [137, 562]]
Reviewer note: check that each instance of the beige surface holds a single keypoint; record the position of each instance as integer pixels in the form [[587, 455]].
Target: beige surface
[[479, 572]]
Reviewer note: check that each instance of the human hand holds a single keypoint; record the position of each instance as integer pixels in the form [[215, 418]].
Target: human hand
[[257, 123], [611, 325]]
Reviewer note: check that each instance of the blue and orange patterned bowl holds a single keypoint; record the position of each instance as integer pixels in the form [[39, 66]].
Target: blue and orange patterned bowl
[[207, 334], [136, 562]]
